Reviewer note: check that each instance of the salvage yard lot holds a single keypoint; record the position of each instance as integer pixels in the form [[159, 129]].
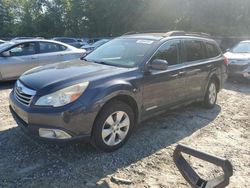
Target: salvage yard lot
[[146, 159]]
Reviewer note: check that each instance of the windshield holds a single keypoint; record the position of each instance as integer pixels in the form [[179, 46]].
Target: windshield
[[6, 45], [243, 47], [121, 52]]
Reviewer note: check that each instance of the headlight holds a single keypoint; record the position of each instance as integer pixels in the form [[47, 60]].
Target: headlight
[[63, 96]]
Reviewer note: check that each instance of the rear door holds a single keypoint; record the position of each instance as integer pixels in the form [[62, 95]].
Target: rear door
[[164, 88], [50, 53], [22, 58], [197, 67]]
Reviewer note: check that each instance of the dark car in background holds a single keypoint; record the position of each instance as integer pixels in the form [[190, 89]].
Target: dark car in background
[[90, 47], [70, 41], [239, 60], [125, 81]]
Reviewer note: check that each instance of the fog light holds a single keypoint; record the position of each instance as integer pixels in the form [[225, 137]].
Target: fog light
[[53, 133]]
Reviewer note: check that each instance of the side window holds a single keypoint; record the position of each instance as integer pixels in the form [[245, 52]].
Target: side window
[[23, 49], [46, 47], [194, 50], [212, 50], [168, 52]]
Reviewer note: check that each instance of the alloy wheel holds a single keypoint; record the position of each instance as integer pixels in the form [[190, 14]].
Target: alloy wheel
[[115, 128], [212, 93]]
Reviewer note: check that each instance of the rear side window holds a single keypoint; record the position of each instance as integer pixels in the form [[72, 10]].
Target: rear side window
[[168, 52], [194, 50], [212, 50], [47, 47]]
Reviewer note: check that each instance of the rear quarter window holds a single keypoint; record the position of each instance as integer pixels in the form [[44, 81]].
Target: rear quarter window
[[212, 50], [194, 50]]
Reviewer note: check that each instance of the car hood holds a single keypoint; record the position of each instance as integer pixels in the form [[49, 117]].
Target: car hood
[[237, 56], [66, 72]]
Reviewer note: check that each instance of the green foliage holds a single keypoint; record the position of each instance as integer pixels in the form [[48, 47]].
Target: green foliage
[[80, 18]]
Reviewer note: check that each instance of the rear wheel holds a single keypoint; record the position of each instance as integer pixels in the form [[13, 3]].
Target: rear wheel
[[211, 94], [113, 126]]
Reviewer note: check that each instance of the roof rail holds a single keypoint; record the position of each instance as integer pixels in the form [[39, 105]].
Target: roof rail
[[184, 33], [171, 33], [131, 33], [148, 31]]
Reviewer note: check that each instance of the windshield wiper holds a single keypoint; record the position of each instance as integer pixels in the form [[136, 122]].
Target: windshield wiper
[[103, 63]]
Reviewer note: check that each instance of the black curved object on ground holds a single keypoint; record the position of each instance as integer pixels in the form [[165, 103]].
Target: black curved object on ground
[[192, 177]]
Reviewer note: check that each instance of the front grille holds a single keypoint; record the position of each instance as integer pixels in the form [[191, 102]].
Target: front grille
[[23, 94]]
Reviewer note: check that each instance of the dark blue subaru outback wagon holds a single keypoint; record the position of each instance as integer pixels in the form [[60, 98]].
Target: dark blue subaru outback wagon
[[102, 97]]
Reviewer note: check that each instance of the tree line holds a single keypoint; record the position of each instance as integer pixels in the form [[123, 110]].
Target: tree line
[[92, 18]]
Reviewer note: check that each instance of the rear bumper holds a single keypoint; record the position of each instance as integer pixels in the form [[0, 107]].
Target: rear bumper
[[77, 124]]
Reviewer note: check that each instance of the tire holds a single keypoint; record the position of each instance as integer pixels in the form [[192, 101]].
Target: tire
[[211, 94], [113, 126]]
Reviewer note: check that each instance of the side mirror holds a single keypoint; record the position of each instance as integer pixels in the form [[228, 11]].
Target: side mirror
[[6, 54], [159, 64]]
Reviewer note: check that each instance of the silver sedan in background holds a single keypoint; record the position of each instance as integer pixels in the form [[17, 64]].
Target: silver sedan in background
[[16, 57], [239, 60]]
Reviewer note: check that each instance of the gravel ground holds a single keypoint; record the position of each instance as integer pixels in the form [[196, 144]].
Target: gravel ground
[[146, 160]]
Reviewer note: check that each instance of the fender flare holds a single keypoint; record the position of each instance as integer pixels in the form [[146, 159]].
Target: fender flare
[[116, 89], [212, 74]]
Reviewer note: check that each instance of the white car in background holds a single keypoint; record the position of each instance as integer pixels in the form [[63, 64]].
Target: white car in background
[[16, 57], [239, 60]]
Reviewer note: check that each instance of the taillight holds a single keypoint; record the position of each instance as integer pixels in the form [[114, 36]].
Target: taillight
[[226, 62]]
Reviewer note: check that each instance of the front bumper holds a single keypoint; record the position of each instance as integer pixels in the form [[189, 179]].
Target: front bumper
[[76, 123]]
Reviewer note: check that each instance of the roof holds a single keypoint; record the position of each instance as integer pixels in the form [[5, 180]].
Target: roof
[[161, 35], [40, 40]]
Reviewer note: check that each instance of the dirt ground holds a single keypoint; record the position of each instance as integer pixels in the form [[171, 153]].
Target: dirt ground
[[146, 159]]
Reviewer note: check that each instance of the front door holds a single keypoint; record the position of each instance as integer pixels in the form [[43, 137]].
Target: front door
[[164, 88], [22, 58]]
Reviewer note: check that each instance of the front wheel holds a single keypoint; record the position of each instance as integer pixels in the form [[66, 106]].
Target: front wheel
[[211, 95], [113, 126]]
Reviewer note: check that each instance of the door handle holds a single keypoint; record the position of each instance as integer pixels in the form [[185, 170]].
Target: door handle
[[181, 73], [34, 58], [174, 75], [209, 66]]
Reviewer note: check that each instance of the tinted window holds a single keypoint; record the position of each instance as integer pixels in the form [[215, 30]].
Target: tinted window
[[212, 50], [168, 52], [194, 50], [23, 49], [46, 47]]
